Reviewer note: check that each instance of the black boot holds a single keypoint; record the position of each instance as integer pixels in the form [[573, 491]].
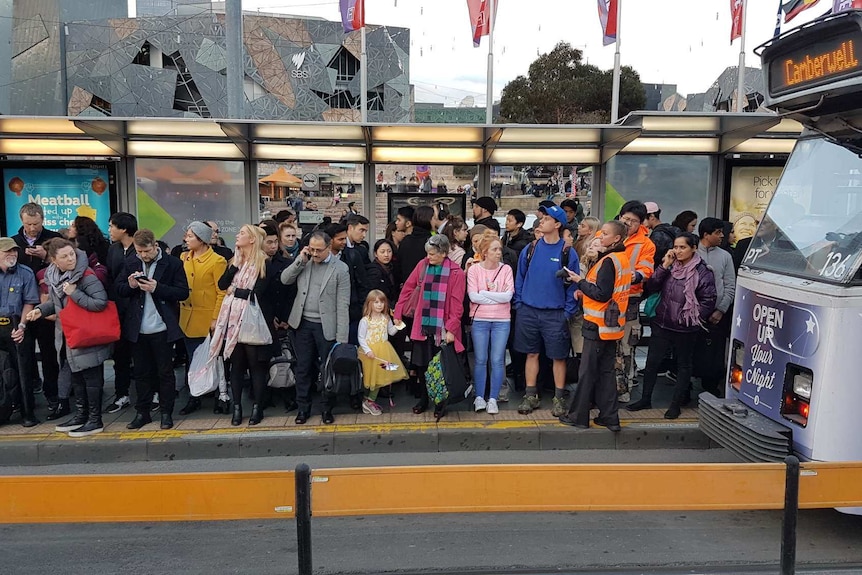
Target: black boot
[[80, 417], [192, 406], [94, 410], [237, 414], [167, 420], [28, 406], [673, 411], [256, 415], [58, 408]]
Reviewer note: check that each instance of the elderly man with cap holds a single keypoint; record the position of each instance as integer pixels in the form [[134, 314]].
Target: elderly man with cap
[[18, 295], [545, 301], [483, 213]]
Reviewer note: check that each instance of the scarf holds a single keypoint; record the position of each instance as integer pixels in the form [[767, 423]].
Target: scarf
[[688, 275], [434, 301], [230, 314], [294, 251]]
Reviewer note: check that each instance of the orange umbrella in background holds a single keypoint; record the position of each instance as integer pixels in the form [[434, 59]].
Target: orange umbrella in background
[[281, 178]]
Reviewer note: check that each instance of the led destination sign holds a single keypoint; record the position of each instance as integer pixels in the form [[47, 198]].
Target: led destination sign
[[817, 63]]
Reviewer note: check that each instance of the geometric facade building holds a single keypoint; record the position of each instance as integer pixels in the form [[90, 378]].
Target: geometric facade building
[[295, 68]]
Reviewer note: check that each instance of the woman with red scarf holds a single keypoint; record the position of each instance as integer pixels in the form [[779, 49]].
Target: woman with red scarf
[[687, 288]]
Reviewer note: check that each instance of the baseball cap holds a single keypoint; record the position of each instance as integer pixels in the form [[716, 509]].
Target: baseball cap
[[651, 207], [555, 212], [7, 244]]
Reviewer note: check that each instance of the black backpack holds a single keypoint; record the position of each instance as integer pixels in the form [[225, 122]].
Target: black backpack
[[564, 256], [342, 372]]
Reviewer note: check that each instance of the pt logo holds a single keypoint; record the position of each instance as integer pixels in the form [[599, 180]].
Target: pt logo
[[298, 60]]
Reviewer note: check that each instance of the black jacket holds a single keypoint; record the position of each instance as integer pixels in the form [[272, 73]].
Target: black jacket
[[519, 241], [385, 279], [172, 288], [663, 236], [488, 222], [116, 265], [31, 262], [356, 258], [264, 296], [282, 295], [601, 291], [411, 251]]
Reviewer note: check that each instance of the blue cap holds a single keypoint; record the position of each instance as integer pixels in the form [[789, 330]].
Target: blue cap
[[555, 212]]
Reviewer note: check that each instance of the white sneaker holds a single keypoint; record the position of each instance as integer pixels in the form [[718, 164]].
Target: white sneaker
[[371, 407], [155, 405], [119, 403], [479, 404], [492, 407]]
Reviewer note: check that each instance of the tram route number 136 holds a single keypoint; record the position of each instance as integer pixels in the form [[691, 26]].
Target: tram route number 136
[[835, 267]]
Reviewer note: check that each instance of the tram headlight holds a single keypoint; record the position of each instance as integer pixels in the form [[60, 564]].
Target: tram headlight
[[802, 383]]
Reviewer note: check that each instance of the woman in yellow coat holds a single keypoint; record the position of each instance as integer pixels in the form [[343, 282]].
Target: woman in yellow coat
[[199, 313]]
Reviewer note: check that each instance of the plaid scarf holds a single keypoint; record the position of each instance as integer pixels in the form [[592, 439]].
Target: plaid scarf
[[434, 300]]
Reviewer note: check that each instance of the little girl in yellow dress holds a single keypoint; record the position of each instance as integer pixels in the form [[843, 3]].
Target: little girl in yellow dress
[[381, 365]]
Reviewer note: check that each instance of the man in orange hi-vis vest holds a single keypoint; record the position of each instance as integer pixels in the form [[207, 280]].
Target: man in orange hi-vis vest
[[641, 253], [605, 298]]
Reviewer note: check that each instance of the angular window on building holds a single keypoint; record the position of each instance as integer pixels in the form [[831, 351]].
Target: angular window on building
[[173, 193], [315, 193], [675, 183]]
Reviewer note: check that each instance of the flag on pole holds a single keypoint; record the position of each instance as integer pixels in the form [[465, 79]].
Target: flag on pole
[[608, 19], [480, 18], [777, 21], [842, 5], [736, 7], [352, 14], [794, 7]]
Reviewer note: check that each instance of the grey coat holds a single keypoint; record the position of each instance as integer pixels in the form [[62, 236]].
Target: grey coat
[[91, 295], [334, 297]]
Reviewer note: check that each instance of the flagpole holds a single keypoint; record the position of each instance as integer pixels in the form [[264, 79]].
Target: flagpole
[[740, 88], [489, 105], [615, 97], [363, 75]]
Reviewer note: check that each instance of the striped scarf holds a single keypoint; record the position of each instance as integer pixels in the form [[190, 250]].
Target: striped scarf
[[434, 301]]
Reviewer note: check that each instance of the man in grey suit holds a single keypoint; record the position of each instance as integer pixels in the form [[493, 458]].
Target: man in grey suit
[[320, 316]]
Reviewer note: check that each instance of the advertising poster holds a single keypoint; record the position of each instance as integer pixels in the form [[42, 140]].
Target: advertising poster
[[457, 203], [173, 193], [775, 333], [63, 192], [751, 188]]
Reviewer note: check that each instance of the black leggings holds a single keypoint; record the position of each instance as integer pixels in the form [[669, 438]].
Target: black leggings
[[248, 357]]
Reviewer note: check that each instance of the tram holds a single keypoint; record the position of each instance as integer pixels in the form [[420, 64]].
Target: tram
[[794, 379]]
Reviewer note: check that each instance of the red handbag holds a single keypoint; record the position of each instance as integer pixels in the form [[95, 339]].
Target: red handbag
[[412, 301], [85, 328]]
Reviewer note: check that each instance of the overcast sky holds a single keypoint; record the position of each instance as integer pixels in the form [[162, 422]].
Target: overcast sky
[[682, 42]]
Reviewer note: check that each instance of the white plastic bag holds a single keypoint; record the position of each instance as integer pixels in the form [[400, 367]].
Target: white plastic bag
[[253, 329], [205, 375]]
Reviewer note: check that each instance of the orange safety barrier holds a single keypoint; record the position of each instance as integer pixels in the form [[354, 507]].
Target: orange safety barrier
[[519, 488], [157, 497], [833, 484]]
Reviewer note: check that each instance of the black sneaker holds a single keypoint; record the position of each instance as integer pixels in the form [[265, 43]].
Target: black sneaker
[[121, 402]]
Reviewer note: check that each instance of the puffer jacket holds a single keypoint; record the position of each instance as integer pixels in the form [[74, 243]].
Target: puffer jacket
[[668, 314], [90, 295]]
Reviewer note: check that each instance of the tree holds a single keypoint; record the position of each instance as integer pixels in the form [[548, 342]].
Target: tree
[[560, 89]]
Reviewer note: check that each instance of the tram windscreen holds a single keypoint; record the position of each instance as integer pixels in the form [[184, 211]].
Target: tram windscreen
[[813, 225]]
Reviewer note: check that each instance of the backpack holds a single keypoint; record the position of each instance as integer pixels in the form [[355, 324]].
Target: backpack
[[564, 256], [281, 367], [342, 372]]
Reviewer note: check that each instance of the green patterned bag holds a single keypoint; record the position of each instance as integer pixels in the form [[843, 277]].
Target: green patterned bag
[[435, 383]]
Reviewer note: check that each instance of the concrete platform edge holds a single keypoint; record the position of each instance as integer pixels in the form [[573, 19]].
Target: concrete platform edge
[[55, 448]]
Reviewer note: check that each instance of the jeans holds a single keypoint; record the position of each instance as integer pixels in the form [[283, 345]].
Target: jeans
[[493, 334]]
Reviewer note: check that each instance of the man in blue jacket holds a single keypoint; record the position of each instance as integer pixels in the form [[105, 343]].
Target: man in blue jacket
[[545, 302], [155, 283]]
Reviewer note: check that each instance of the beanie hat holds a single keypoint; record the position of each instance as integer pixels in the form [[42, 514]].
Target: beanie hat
[[202, 231], [486, 203]]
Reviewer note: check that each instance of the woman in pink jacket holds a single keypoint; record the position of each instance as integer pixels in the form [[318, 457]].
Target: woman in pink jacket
[[437, 314]]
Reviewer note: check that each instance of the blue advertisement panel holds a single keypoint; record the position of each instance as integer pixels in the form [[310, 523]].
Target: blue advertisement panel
[[775, 333], [63, 192]]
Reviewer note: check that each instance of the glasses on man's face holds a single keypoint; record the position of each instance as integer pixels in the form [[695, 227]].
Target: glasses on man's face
[[315, 250]]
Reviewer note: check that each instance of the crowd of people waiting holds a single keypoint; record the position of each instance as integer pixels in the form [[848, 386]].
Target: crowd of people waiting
[[563, 301]]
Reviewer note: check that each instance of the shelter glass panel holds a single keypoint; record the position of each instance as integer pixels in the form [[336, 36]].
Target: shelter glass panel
[[172, 193]]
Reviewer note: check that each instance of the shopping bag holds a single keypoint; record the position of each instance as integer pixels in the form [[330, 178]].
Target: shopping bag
[[453, 373], [205, 375], [253, 329]]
